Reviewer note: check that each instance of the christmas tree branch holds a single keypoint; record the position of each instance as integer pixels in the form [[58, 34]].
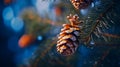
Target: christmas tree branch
[[37, 60], [110, 35], [98, 19]]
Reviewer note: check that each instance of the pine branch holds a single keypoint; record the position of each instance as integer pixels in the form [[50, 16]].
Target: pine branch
[[110, 35], [41, 54], [99, 18], [95, 26]]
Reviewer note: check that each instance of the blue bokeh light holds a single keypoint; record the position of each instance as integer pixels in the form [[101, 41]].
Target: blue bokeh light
[[17, 24], [46, 9], [92, 42], [39, 38], [8, 15], [98, 3], [19, 5], [42, 9], [84, 12], [92, 5]]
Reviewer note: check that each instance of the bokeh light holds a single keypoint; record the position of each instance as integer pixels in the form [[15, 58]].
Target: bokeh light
[[39, 38], [84, 12], [25, 40], [47, 9], [98, 2], [42, 7], [7, 1], [8, 15], [92, 42], [17, 24], [19, 5], [92, 5]]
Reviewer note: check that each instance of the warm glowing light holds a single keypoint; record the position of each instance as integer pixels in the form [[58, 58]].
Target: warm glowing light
[[7, 1], [58, 11], [25, 40]]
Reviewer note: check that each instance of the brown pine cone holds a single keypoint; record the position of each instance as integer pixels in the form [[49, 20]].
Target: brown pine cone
[[81, 4], [68, 38]]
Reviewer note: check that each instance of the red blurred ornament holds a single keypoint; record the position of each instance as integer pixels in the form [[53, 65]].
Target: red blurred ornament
[[81, 4], [25, 40]]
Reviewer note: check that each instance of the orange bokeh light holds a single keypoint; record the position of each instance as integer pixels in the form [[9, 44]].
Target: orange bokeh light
[[26, 40], [7, 1], [58, 11]]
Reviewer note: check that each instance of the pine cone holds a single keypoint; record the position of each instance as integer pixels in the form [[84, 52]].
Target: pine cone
[[68, 38], [81, 4]]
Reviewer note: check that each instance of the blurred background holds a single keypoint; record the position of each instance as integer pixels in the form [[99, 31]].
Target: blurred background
[[29, 29]]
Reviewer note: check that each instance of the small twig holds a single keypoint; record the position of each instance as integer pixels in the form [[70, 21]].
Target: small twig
[[110, 35]]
